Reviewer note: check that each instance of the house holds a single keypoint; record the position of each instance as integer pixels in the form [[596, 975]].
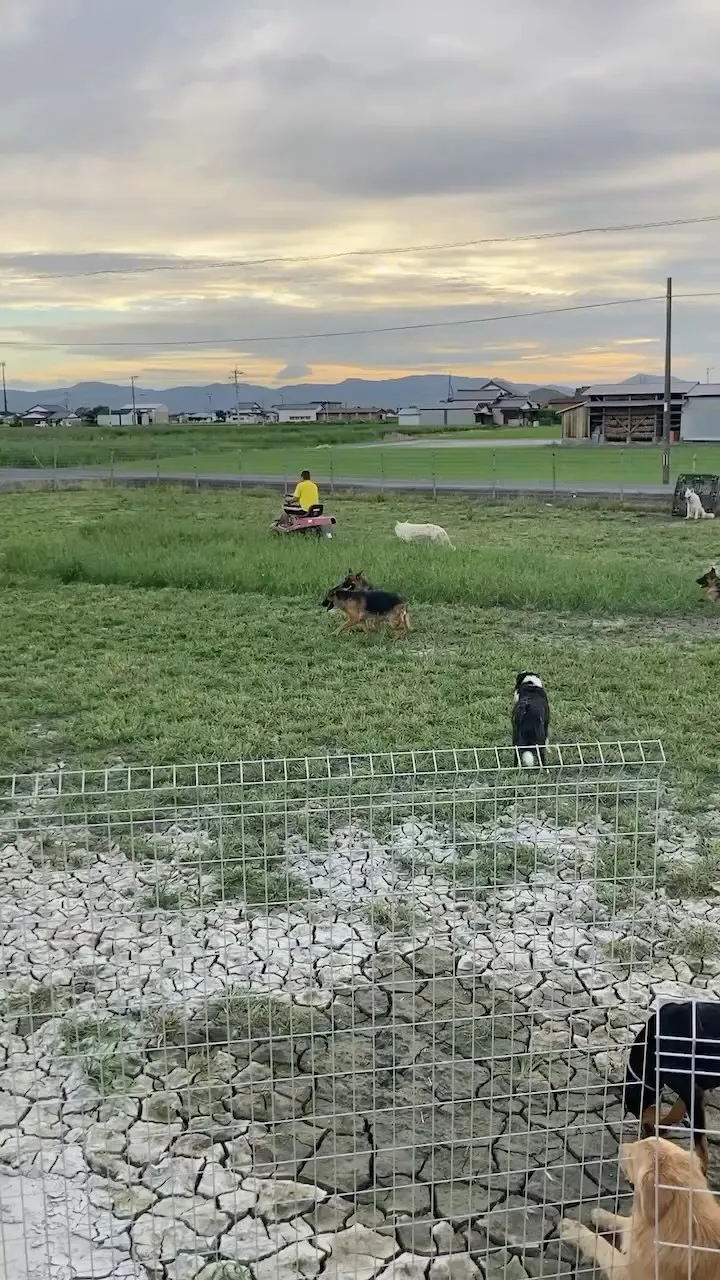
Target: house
[[248, 413], [493, 404], [498, 405], [297, 412], [701, 412], [137, 415], [622, 411], [44, 415]]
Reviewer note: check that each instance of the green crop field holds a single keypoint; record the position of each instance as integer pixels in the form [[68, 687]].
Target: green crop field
[[164, 626]]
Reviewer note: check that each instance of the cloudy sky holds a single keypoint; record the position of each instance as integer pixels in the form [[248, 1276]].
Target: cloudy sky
[[149, 147]]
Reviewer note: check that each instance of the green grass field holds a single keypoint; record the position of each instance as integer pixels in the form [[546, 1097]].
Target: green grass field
[[566, 464], [160, 626], [365, 451], [122, 446]]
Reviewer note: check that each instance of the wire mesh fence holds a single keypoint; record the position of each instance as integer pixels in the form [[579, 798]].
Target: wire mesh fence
[[354, 1015]]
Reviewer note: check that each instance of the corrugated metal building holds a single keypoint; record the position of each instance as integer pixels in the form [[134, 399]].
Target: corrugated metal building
[[701, 413]]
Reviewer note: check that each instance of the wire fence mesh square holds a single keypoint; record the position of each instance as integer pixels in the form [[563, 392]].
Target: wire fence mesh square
[[354, 1015]]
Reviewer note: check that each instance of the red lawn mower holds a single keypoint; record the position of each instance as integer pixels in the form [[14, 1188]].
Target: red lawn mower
[[295, 519]]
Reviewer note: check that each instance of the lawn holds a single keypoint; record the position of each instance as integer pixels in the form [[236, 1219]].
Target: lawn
[[160, 626], [566, 464]]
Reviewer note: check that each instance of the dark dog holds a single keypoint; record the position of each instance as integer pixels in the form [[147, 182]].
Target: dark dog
[[530, 720], [364, 609], [711, 584], [351, 582], [682, 1055]]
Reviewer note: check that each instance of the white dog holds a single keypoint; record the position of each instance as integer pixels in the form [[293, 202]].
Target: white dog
[[423, 533], [695, 508]]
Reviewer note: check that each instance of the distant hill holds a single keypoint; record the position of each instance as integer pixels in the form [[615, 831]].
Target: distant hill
[[418, 389]]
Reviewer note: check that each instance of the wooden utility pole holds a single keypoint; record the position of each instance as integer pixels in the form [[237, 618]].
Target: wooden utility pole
[[133, 380], [667, 398], [4, 386]]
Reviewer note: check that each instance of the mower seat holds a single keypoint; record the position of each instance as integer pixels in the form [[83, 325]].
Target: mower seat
[[316, 509]]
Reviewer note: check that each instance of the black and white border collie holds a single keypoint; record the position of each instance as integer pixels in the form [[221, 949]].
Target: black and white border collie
[[530, 720]]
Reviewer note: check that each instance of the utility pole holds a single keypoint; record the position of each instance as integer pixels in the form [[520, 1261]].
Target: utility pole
[[133, 380], [710, 369], [236, 373], [4, 386], [667, 399]]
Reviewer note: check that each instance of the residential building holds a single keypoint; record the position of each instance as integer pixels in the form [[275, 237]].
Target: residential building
[[44, 415], [493, 404], [248, 413]]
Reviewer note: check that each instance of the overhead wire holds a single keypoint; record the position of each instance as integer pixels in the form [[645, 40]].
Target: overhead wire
[[253, 339], [390, 251]]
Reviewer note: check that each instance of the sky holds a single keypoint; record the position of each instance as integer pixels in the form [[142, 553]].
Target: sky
[[149, 148]]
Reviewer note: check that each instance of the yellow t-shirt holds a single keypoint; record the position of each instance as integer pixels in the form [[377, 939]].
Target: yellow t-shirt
[[307, 494]]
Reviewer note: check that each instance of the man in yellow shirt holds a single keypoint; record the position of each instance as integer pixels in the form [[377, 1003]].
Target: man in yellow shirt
[[307, 494]]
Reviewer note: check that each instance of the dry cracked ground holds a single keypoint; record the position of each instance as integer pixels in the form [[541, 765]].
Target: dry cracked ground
[[407, 1073]]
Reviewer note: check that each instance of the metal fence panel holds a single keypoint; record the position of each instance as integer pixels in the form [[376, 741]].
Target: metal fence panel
[[357, 1015]]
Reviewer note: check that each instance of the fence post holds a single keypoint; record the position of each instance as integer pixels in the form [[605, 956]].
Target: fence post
[[332, 476], [197, 478], [554, 474], [382, 471], [694, 463], [622, 477], [434, 475]]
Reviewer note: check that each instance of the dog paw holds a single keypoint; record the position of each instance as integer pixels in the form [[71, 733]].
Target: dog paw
[[571, 1231]]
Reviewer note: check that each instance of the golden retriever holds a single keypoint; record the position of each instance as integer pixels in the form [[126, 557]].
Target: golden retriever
[[673, 1232]]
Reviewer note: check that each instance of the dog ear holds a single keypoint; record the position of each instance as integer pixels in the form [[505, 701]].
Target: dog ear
[[656, 1185]]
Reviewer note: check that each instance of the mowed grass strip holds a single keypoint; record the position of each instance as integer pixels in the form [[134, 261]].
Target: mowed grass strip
[[536, 557], [234, 657]]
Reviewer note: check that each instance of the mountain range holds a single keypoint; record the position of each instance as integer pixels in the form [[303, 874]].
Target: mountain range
[[423, 390]]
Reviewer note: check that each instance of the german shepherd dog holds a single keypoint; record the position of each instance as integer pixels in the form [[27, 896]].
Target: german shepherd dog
[[351, 582], [365, 608], [678, 1048], [710, 582]]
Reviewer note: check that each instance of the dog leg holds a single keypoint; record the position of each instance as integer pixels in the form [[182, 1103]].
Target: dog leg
[[613, 1222], [607, 1221], [698, 1125], [610, 1260]]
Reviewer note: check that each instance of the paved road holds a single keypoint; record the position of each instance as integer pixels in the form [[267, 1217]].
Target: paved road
[[30, 477], [444, 442]]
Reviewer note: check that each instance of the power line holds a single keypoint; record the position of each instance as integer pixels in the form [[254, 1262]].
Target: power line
[[393, 251], [345, 333]]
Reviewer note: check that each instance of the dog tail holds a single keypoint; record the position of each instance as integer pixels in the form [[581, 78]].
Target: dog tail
[[528, 759], [708, 515]]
